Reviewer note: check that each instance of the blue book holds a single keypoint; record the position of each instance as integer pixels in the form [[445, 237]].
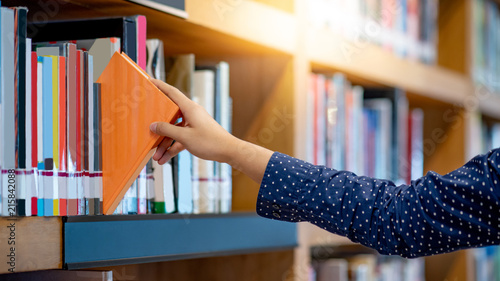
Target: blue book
[[48, 152], [47, 117]]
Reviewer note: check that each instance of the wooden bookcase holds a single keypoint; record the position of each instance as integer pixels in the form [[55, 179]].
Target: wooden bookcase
[[271, 50]]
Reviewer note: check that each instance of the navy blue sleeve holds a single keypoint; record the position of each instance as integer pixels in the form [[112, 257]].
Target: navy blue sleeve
[[434, 214]]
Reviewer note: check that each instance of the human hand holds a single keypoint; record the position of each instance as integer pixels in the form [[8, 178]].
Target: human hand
[[199, 133]]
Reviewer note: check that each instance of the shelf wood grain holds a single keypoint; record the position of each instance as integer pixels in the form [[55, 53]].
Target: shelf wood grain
[[38, 243]]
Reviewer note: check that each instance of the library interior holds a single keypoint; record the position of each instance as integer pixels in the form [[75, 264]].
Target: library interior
[[400, 91]]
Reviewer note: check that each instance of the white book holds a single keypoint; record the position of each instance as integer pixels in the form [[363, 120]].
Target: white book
[[158, 186], [417, 143], [168, 187], [7, 118], [142, 192], [226, 118], [185, 198], [203, 94]]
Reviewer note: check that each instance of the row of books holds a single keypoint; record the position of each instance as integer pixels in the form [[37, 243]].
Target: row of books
[[187, 184], [50, 123], [408, 28], [369, 131], [487, 263], [51, 148], [368, 267], [486, 42]]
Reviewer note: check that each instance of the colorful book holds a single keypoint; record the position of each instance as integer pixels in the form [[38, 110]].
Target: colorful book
[[126, 87]]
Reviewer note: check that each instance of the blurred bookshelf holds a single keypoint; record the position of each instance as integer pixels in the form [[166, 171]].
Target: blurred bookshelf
[[272, 47]]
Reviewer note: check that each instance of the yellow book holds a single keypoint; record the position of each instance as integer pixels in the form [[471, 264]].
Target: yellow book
[[55, 111]]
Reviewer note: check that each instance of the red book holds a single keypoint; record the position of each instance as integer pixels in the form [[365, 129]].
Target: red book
[[62, 135], [77, 112], [34, 111], [62, 115]]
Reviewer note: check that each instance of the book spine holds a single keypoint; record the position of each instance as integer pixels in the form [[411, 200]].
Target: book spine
[[28, 126]]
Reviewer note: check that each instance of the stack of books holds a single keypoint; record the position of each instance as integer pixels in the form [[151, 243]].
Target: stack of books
[[369, 131], [60, 117], [407, 28], [486, 43]]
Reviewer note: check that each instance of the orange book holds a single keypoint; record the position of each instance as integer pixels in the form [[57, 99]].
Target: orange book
[[129, 104]]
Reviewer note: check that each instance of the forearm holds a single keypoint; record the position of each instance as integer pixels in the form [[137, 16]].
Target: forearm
[[434, 214], [248, 158]]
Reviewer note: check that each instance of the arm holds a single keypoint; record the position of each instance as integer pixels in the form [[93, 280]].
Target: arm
[[205, 138], [434, 214]]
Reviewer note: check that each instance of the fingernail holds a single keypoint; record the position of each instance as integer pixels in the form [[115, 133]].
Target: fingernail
[[152, 127]]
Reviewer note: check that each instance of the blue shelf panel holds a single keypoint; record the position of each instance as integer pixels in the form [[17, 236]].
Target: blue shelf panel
[[107, 241]]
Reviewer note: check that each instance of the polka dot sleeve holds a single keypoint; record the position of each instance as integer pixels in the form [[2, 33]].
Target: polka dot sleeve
[[434, 214]]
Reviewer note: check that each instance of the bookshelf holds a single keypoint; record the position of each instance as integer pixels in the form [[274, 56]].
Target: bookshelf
[[271, 50], [108, 240]]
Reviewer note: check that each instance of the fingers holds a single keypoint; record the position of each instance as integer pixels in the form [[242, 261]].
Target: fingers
[[167, 130], [174, 94], [171, 152], [162, 147]]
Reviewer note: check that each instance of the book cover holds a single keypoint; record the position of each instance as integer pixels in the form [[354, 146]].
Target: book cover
[[129, 104]]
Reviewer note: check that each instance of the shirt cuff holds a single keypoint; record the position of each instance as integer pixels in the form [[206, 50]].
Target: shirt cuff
[[280, 188]]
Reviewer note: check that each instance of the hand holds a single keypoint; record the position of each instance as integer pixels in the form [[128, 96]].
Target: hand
[[199, 133], [203, 137]]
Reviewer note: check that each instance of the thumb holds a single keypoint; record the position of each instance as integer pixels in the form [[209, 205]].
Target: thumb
[[167, 130]]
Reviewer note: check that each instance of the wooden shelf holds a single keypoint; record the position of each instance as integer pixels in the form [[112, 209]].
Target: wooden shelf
[[207, 31], [38, 243], [97, 241], [373, 63]]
